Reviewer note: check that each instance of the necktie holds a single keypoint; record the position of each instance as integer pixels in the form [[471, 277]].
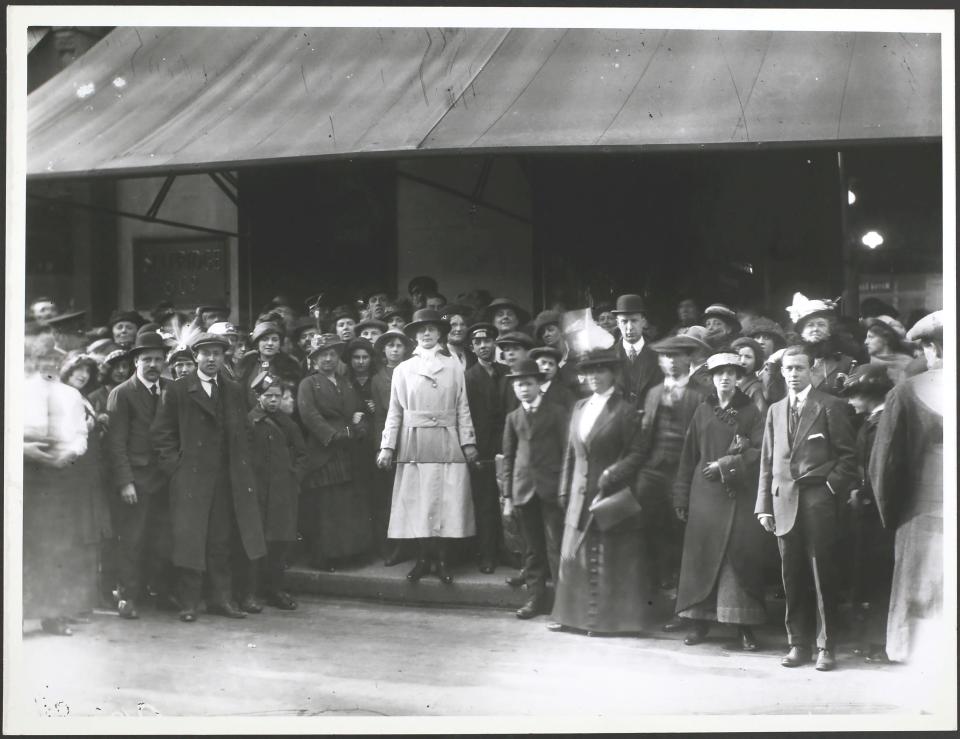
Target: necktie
[[214, 395], [155, 392], [794, 419], [632, 354]]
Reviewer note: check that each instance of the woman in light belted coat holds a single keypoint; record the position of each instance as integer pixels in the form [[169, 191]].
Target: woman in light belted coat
[[429, 433]]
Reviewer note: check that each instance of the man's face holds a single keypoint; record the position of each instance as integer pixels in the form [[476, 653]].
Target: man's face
[[124, 332], [43, 310], [210, 359], [306, 337], [150, 364], [631, 326], [674, 365], [418, 298], [716, 327], [183, 367], [345, 328], [551, 334], [505, 319], [210, 317], [815, 329], [377, 304], [526, 388], [371, 333], [484, 349], [687, 312], [458, 330], [435, 302], [269, 345], [547, 365], [271, 398], [326, 361], [795, 369], [395, 351], [396, 323], [360, 361], [513, 353], [725, 379]]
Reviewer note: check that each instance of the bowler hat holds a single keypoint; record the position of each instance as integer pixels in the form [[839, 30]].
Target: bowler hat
[[323, 343], [629, 304], [515, 337], [725, 314], [868, 379], [147, 340], [546, 351], [205, 338], [264, 329], [483, 330], [724, 359], [488, 312], [526, 368], [598, 358], [930, 327], [423, 317], [680, 344], [131, 316], [390, 335]]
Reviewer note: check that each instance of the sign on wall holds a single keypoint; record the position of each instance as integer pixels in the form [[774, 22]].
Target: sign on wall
[[185, 271]]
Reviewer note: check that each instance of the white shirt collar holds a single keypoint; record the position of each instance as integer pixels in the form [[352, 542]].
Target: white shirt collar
[[534, 405], [204, 377], [681, 382], [427, 353], [148, 385], [601, 398], [801, 397], [636, 347]]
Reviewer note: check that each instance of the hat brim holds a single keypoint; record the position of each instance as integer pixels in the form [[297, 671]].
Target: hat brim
[[592, 363], [385, 338], [522, 315], [515, 376], [739, 368], [337, 346], [411, 328], [222, 343], [542, 351]]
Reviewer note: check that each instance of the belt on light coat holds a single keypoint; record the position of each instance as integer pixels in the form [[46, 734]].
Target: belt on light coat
[[429, 419]]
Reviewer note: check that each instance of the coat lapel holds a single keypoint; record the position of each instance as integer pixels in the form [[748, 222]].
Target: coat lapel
[[199, 395], [808, 414], [603, 420]]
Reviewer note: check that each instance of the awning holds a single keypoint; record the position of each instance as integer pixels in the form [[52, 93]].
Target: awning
[[152, 100]]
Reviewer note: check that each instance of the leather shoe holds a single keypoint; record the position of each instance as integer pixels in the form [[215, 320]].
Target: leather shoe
[[556, 626], [515, 581], [188, 615], [226, 609], [250, 605], [127, 609], [421, 568], [283, 601], [877, 656], [696, 635], [825, 660], [748, 642], [533, 607], [675, 624], [795, 657], [443, 573]]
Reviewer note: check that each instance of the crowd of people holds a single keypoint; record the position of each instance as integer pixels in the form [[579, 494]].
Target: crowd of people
[[184, 462]]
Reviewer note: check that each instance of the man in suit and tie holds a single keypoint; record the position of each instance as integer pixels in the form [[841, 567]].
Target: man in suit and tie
[[141, 516], [534, 439], [639, 368], [807, 464], [201, 436]]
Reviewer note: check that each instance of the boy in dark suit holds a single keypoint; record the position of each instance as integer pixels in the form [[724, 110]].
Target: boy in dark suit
[[534, 439], [555, 390]]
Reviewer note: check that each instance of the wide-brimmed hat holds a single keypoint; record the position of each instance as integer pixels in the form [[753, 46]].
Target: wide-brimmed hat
[[371, 323], [264, 329], [695, 332], [115, 356], [758, 351], [724, 313], [147, 340], [387, 336], [930, 327], [525, 368], [482, 330], [488, 312], [205, 338], [629, 304], [681, 344], [515, 337], [546, 318], [754, 326], [546, 351], [867, 379], [802, 309], [598, 358], [324, 342], [890, 329], [724, 359], [353, 345], [131, 316], [423, 317], [63, 318]]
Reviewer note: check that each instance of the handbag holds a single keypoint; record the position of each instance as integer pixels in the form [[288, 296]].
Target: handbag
[[614, 508]]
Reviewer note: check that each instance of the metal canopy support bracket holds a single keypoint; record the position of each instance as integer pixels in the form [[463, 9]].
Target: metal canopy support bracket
[[222, 181], [161, 196], [464, 196]]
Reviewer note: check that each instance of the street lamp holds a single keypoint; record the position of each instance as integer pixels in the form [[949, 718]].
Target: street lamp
[[871, 239]]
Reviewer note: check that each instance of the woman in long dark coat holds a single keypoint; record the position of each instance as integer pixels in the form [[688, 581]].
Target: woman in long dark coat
[[604, 582], [361, 364], [721, 572], [333, 513], [906, 470]]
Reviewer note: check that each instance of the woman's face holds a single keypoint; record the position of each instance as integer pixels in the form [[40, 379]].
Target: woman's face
[[269, 345], [326, 361], [345, 328], [396, 323], [121, 370], [815, 329], [599, 379], [505, 319], [79, 377], [607, 321], [547, 365], [748, 360], [875, 343], [124, 332], [551, 335], [716, 327], [725, 380], [395, 351], [768, 342], [360, 361], [458, 331], [428, 335], [183, 367]]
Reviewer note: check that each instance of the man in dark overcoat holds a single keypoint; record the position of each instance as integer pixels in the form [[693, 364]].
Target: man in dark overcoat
[[141, 515], [639, 368], [807, 464], [201, 436]]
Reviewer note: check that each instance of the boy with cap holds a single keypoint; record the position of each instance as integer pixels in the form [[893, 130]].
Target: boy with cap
[[534, 440], [513, 347], [553, 388]]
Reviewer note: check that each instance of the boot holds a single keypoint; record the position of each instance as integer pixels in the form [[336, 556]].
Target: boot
[[442, 571]]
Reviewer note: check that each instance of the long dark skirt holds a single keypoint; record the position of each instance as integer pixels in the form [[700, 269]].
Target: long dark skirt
[[59, 543], [604, 585], [336, 518]]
